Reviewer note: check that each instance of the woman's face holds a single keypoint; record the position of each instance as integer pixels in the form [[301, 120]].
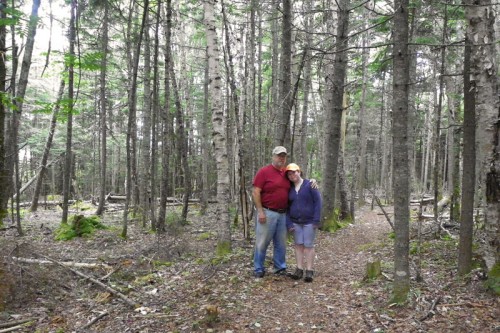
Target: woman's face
[[293, 176]]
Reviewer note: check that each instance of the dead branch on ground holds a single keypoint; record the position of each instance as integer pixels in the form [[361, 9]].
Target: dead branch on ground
[[94, 320], [99, 283]]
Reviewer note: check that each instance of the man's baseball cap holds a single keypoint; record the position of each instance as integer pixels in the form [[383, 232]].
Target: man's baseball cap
[[279, 150]]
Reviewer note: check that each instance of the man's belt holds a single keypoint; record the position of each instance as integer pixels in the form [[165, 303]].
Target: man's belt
[[281, 211]]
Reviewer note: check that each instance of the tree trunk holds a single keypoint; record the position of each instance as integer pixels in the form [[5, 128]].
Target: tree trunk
[[165, 114], [132, 100], [286, 101], [103, 112], [46, 151], [154, 117], [333, 118], [484, 82], [69, 124], [144, 175], [401, 173], [360, 155], [4, 179], [219, 129], [205, 145], [437, 130], [469, 169], [182, 145]]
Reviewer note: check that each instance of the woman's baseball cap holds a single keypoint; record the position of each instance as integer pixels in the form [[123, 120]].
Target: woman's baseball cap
[[292, 167]]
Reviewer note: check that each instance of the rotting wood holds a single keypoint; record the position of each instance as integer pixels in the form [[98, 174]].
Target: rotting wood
[[99, 283], [64, 263]]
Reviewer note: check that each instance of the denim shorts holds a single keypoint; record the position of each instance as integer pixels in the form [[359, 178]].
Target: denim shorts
[[304, 234]]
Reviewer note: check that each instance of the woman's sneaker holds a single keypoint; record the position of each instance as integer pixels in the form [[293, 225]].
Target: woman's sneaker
[[297, 275], [309, 276]]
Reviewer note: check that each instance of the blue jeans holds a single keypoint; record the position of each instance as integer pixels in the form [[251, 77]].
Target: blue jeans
[[274, 229]]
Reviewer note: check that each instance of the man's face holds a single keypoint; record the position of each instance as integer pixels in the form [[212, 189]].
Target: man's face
[[279, 161]]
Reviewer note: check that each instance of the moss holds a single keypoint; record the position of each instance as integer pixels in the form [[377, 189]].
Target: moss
[[493, 282], [334, 223], [205, 236], [79, 226], [159, 263], [373, 270], [400, 294], [223, 248]]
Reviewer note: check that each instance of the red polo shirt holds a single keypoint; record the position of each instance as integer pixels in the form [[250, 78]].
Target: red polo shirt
[[274, 187]]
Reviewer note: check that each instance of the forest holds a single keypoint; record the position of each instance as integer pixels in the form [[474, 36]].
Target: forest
[[130, 133]]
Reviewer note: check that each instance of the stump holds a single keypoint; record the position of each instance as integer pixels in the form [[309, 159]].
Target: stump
[[373, 270]]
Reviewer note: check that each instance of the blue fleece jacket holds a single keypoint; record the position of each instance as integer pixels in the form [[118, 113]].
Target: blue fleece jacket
[[304, 207]]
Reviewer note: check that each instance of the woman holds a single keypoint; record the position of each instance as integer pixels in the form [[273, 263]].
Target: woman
[[303, 216]]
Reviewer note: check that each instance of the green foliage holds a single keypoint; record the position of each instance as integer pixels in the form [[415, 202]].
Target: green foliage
[[13, 16], [173, 219], [79, 226], [426, 40], [81, 206], [381, 61], [383, 24], [493, 282]]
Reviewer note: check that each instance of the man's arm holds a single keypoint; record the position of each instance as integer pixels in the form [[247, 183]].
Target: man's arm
[[258, 204]]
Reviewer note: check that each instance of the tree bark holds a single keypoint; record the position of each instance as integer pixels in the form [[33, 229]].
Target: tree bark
[[469, 168], [4, 179], [286, 97], [333, 118], [484, 81], [69, 124], [46, 151], [219, 128], [165, 114], [132, 100], [401, 174], [145, 152], [103, 111]]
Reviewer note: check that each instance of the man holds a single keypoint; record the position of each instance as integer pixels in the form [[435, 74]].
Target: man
[[270, 195]]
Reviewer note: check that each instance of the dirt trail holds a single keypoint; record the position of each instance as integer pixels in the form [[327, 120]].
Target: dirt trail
[[332, 302]]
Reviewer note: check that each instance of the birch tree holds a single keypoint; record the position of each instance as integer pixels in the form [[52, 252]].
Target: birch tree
[[219, 128]]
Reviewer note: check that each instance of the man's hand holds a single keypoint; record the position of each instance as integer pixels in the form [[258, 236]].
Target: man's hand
[[262, 216], [314, 184]]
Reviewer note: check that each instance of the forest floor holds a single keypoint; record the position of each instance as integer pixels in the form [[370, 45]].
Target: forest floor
[[176, 284]]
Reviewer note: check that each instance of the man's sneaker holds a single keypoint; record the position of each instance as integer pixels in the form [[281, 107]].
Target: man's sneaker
[[281, 272], [309, 276], [297, 275], [259, 275]]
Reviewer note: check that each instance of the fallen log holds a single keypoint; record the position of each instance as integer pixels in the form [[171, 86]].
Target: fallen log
[[16, 322], [64, 263]]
